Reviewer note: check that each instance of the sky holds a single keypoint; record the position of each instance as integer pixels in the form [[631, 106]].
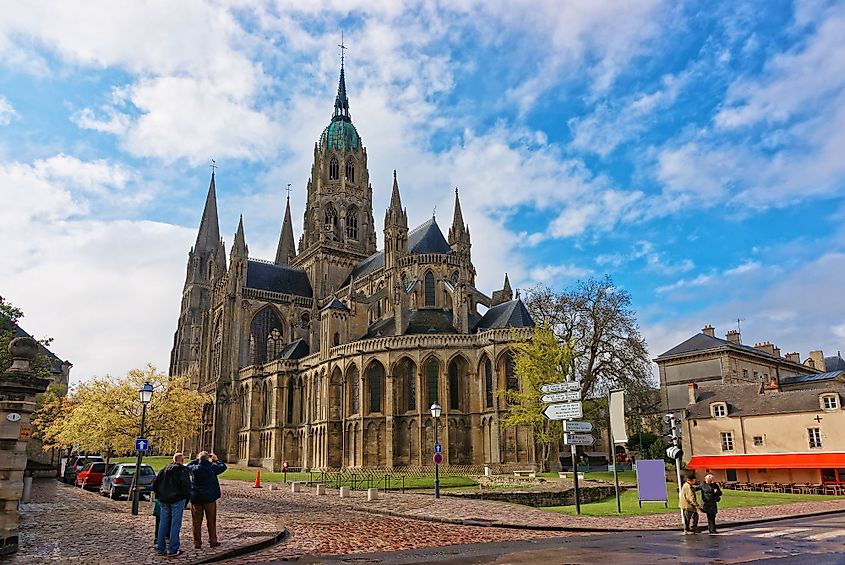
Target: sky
[[694, 151]]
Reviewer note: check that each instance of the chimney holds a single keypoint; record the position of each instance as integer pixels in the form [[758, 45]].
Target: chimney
[[692, 390], [818, 360], [708, 330], [794, 357], [733, 337], [765, 347], [777, 351]]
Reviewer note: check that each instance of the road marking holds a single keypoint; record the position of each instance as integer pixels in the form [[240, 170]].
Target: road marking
[[745, 531], [827, 535], [786, 532]]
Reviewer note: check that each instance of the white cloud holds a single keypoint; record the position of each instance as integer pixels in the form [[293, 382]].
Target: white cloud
[[704, 279], [7, 112], [557, 276]]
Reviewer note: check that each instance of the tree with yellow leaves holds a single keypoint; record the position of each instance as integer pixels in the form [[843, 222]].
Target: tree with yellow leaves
[[104, 415], [537, 361]]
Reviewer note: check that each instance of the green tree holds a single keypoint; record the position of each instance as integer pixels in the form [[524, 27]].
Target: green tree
[[50, 406], [537, 361], [104, 415]]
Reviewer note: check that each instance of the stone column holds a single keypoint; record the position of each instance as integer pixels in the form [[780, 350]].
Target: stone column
[[18, 387]]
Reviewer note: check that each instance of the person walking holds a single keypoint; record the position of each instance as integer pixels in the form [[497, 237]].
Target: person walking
[[689, 506], [205, 490], [711, 494], [172, 487]]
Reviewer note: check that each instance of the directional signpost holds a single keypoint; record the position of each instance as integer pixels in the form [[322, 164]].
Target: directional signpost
[[578, 427], [565, 411], [579, 439], [568, 396], [560, 387]]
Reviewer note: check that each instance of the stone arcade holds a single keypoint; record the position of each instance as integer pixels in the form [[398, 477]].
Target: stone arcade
[[331, 355]]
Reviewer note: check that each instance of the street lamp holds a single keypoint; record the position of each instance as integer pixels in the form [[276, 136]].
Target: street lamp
[[435, 413], [146, 394]]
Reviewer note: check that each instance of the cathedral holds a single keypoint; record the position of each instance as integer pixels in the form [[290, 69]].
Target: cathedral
[[331, 355]]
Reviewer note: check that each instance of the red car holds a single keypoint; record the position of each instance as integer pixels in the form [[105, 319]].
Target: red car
[[91, 475]]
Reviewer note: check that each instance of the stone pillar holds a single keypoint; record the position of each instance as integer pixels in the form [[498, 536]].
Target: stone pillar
[[18, 387]]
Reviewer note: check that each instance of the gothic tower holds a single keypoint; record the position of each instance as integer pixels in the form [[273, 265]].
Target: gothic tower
[[206, 262], [338, 227]]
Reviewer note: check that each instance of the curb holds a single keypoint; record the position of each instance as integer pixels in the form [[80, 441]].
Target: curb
[[245, 549], [534, 527]]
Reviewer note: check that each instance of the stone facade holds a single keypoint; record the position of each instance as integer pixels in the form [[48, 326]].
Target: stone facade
[[331, 355]]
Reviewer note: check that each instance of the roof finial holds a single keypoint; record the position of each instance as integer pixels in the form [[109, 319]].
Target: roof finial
[[213, 166], [434, 212], [288, 190], [343, 49], [341, 102]]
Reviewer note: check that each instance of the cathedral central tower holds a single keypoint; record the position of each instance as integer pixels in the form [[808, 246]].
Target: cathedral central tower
[[338, 228]]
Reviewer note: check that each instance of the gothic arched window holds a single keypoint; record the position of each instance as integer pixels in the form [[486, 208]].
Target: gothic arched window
[[334, 169], [302, 404], [244, 407], [318, 404], [455, 378], [352, 223], [375, 382], [336, 339], [331, 220], [350, 170], [291, 398], [408, 372], [267, 404], [431, 374], [266, 336], [216, 349], [488, 383], [429, 289], [511, 380], [354, 390]]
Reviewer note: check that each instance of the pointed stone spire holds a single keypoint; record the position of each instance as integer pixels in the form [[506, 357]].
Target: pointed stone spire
[[395, 199], [208, 236], [239, 247], [458, 229], [507, 286], [395, 215], [341, 102], [286, 250]]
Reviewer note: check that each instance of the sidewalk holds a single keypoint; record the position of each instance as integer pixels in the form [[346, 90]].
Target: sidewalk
[[63, 523]]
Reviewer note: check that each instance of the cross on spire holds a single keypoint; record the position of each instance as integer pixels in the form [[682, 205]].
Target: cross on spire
[[343, 49], [213, 166], [288, 190]]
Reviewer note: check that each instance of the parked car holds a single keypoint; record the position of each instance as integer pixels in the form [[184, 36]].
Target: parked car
[[91, 475], [117, 481], [75, 464]]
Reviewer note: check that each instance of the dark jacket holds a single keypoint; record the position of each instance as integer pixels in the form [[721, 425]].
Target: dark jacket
[[173, 484], [711, 494], [205, 487]]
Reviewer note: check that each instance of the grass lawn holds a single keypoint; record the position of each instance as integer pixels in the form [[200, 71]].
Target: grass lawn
[[240, 474], [730, 499]]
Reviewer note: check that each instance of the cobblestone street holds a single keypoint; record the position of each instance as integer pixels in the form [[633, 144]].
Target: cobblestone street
[[66, 524]]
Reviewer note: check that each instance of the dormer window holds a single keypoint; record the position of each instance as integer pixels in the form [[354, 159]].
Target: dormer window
[[829, 401], [719, 409]]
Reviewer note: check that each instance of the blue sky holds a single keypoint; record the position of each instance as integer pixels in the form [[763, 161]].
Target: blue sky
[[692, 150]]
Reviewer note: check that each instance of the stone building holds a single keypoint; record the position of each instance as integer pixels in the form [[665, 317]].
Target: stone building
[[330, 355], [787, 431], [705, 358]]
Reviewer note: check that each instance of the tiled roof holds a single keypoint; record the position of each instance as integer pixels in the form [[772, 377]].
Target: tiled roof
[[336, 304], [295, 350], [747, 400], [511, 314], [263, 275], [829, 376]]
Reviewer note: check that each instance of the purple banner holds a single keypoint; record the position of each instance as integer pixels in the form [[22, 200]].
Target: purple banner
[[651, 479]]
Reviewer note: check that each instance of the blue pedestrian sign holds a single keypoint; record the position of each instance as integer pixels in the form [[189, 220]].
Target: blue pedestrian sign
[[141, 444], [438, 448]]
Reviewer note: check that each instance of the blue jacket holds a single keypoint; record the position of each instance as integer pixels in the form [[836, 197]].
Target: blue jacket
[[205, 487]]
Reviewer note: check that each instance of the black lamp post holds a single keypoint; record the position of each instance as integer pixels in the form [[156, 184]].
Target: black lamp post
[[146, 394], [435, 413]]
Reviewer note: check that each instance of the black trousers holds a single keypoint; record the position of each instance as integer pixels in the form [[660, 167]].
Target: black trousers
[[691, 520], [711, 522]]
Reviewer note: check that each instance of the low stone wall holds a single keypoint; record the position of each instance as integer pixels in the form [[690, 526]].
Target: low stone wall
[[542, 498]]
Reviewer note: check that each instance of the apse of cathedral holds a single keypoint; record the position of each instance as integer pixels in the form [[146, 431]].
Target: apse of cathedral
[[330, 355]]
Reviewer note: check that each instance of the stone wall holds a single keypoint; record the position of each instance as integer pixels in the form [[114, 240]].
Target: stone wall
[[565, 497]]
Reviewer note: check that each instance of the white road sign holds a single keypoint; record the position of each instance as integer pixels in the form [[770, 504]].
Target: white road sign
[[578, 427], [567, 396], [565, 411], [579, 439], [560, 387]]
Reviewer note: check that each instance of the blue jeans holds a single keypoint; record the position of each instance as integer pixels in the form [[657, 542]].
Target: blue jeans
[[171, 521]]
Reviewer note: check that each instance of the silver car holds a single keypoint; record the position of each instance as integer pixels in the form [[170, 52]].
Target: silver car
[[117, 482]]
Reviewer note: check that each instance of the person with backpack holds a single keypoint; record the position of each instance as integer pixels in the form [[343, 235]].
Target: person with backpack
[[205, 490], [711, 494], [172, 487]]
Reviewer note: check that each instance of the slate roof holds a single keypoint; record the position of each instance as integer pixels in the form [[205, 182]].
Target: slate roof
[[425, 238], [704, 342], [511, 314], [829, 376], [55, 361], [747, 400], [277, 278], [834, 363], [425, 321], [295, 350], [336, 304]]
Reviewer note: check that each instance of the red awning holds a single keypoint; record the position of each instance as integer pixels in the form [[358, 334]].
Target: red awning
[[769, 461]]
